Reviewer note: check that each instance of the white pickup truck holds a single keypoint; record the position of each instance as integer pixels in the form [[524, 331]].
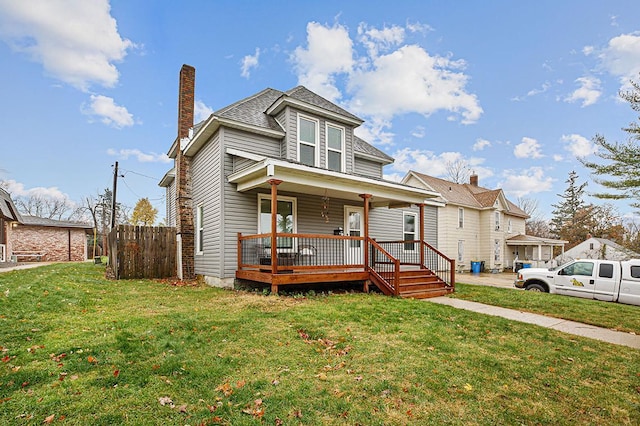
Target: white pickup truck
[[610, 280]]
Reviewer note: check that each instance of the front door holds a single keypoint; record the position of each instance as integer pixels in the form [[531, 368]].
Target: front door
[[354, 227]]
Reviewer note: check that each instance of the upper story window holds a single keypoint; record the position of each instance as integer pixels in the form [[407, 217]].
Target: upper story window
[[497, 216], [335, 148], [308, 141], [509, 226], [460, 217]]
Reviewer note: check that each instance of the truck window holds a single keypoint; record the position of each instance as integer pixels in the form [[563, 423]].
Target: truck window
[[606, 270], [635, 271], [579, 268]]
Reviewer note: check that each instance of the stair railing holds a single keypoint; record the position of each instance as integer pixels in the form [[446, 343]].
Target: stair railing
[[384, 269]]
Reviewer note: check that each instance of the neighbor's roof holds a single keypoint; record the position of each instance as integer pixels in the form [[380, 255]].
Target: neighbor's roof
[[8, 210], [522, 239], [42, 221], [468, 195]]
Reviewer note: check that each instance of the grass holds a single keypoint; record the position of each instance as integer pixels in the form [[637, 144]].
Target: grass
[[615, 316], [79, 349]]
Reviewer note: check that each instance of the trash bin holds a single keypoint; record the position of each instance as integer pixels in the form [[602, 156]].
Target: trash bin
[[526, 265], [475, 267]]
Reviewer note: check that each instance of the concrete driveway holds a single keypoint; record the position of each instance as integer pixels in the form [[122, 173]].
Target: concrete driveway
[[503, 279]]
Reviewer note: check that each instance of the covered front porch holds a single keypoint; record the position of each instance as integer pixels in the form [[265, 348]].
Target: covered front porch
[[407, 267], [530, 251]]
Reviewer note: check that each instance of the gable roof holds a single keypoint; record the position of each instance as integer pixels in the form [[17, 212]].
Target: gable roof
[[8, 210], [467, 195], [257, 113]]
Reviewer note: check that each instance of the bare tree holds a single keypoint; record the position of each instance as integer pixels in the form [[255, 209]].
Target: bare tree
[[458, 171]]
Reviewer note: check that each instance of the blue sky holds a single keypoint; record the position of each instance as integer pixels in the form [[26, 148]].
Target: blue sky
[[515, 89]]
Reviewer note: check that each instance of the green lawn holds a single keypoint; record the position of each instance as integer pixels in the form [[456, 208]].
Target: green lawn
[[78, 349], [615, 316]]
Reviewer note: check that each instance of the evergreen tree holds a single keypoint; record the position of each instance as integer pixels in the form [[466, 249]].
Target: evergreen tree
[[622, 159], [566, 215]]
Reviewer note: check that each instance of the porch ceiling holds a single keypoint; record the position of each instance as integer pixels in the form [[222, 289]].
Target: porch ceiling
[[310, 180]]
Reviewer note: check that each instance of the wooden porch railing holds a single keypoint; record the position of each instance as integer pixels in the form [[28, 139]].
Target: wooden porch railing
[[301, 252], [422, 254], [384, 269]]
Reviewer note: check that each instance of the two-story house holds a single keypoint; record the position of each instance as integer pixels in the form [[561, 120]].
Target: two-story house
[[281, 175], [480, 224]]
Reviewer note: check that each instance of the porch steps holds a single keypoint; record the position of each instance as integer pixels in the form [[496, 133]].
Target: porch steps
[[422, 284]]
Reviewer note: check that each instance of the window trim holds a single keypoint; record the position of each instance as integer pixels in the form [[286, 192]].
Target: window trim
[[460, 217], [497, 220], [316, 146], [415, 232], [294, 209], [342, 150], [460, 255], [199, 240]]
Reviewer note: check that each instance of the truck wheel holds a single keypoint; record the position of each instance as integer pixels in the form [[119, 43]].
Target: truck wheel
[[535, 287]]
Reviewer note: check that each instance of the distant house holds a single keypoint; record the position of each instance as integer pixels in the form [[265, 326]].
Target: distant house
[[276, 188], [481, 224], [30, 238], [597, 248], [9, 216]]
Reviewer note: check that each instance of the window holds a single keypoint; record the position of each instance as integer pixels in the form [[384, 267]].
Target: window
[[509, 226], [497, 216], [579, 268], [635, 272], [307, 141], [409, 230], [335, 148], [606, 270], [285, 219], [199, 229], [460, 217], [496, 250], [460, 250]]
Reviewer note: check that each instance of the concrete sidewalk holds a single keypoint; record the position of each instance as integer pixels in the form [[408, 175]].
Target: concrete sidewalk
[[23, 266], [571, 327]]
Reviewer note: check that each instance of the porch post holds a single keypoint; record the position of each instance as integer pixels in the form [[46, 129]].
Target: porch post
[[421, 208], [365, 198], [274, 228]]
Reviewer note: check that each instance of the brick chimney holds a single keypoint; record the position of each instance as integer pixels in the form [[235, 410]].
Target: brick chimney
[[184, 209], [473, 179]]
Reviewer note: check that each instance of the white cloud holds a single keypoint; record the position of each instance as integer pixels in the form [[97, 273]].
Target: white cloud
[[108, 112], [142, 157], [76, 41], [201, 111], [621, 57], [17, 189], [528, 148], [557, 157], [378, 77], [525, 182], [481, 144], [533, 92], [578, 145], [428, 162], [588, 92], [329, 51], [419, 132], [248, 63]]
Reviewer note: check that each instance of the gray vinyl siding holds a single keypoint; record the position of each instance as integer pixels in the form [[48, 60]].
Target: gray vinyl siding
[[205, 181], [241, 163], [366, 167], [386, 224], [250, 142]]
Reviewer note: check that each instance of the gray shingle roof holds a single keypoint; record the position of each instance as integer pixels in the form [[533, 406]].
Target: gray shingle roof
[[7, 208], [303, 94], [42, 221]]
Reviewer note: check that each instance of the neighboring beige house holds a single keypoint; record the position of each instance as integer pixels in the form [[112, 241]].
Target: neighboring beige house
[[597, 248], [480, 224]]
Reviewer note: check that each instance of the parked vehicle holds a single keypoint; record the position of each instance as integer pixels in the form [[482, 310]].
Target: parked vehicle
[[610, 280]]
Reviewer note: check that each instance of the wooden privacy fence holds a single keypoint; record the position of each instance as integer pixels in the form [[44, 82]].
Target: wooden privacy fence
[[142, 252]]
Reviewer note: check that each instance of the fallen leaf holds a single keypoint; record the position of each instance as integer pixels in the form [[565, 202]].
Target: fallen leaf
[[225, 388], [240, 384], [183, 408], [468, 387], [92, 360], [116, 373], [165, 400], [49, 419]]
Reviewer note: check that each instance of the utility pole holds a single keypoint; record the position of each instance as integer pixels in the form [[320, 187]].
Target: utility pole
[[113, 197]]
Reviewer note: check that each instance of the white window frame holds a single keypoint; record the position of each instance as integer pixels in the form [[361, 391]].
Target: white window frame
[[316, 160], [461, 251], [509, 226], [497, 253], [294, 209], [497, 218], [200, 229], [415, 232], [460, 217], [329, 149]]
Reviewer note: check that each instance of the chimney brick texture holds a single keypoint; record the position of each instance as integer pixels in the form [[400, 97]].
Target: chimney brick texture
[[473, 180], [184, 213]]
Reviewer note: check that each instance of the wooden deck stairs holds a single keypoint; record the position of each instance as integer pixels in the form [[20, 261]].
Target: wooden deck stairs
[[418, 284]]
